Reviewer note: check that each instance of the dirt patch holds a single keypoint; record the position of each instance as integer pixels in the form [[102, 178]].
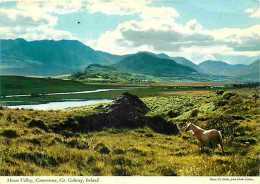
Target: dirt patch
[[189, 93]]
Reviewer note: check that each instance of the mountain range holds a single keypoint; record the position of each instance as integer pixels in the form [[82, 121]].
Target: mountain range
[[148, 64], [49, 58], [219, 67]]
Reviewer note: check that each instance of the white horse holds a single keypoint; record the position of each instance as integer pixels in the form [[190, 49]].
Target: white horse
[[212, 137]]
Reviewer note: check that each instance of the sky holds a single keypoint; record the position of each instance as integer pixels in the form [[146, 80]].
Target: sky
[[199, 30]]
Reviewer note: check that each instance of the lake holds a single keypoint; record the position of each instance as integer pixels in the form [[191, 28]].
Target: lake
[[61, 105]]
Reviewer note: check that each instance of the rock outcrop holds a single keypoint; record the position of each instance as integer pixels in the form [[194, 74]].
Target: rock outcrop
[[127, 111]]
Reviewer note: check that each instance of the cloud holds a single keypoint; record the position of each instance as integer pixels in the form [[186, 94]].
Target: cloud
[[12, 18], [193, 25], [30, 25], [34, 33], [253, 13], [108, 7], [158, 34], [162, 12]]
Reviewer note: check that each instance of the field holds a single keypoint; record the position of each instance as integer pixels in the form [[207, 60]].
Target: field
[[38, 89], [29, 146]]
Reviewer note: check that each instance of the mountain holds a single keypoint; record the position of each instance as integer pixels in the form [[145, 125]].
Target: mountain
[[219, 67], [49, 57], [161, 55], [249, 72], [186, 62], [148, 64]]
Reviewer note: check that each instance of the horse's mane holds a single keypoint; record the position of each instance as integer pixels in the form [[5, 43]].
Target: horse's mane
[[198, 127]]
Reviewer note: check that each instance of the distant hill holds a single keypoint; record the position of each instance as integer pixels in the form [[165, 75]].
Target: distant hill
[[186, 62], [249, 72], [148, 64], [219, 67], [49, 57], [161, 55], [98, 66]]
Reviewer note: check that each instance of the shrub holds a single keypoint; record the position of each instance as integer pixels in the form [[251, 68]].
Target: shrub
[[173, 114], [34, 141], [228, 94], [118, 151], [220, 92], [39, 124], [221, 102], [236, 100], [122, 161], [10, 133], [149, 135], [121, 171], [194, 113], [77, 143], [101, 148]]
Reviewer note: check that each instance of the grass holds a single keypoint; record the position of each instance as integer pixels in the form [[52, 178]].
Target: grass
[[17, 85], [28, 146]]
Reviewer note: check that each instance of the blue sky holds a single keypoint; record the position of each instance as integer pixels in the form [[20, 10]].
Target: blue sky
[[199, 30]]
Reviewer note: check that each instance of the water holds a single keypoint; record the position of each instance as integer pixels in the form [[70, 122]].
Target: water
[[60, 105], [81, 92], [68, 93]]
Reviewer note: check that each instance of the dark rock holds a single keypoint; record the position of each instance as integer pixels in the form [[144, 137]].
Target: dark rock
[[127, 111], [159, 124]]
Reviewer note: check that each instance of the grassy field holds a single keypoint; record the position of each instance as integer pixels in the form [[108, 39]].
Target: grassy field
[[17, 85], [28, 148]]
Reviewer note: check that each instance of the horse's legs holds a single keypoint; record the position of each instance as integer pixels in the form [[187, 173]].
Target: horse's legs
[[201, 146], [221, 145]]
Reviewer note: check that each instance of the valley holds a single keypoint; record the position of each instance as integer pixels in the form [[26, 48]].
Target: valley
[[87, 112]]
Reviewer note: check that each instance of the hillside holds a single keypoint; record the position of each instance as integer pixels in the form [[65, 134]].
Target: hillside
[[186, 62], [61, 143], [150, 65], [49, 57], [250, 72], [219, 67], [96, 73], [17, 85]]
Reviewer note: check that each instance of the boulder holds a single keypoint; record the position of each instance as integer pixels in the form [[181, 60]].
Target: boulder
[[127, 111]]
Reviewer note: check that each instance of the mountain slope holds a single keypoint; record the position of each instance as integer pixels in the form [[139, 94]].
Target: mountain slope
[[49, 57], [219, 67], [151, 65], [250, 72], [186, 62]]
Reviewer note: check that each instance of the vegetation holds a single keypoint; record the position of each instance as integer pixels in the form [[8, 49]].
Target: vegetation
[[29, 146], [18, 85], [102, 74]]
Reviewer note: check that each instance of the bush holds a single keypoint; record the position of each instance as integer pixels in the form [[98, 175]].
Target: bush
[[39, 124], [77, 143], [10, 133], [194, 113], [118, 151], [221, 102], [220, 92], [228, 94], [122, 161], [173, 114], [101, 148]]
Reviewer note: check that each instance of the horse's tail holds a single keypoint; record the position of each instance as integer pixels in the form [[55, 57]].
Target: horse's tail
[[220, 141]]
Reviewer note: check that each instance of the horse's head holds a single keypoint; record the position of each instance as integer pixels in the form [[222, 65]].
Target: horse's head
[[189, 127]]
